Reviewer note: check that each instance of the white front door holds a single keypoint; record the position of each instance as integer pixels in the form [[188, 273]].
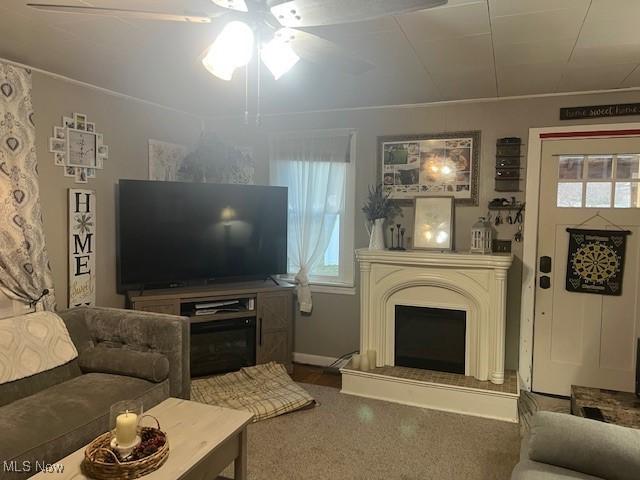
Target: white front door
[[584, 338]]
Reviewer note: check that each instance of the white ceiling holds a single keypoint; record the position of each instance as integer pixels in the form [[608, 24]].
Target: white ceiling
[[466, 49]]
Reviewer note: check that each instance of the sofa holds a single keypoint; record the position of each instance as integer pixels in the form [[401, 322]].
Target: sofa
[[122, 354], [565, 447]]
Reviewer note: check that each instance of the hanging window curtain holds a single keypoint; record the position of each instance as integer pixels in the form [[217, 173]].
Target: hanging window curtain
[[24, 264], [313, 167]]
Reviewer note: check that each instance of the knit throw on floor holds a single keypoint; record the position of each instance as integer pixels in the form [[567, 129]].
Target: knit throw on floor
[[264, 390]]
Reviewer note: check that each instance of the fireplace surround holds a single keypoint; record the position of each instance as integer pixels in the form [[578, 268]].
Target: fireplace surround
[[415, 282]]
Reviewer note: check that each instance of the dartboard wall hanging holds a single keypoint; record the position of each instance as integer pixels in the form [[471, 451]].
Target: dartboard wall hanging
[[596, 261]]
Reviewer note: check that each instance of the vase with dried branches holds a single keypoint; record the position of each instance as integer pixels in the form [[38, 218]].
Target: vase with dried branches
[[378, 208]]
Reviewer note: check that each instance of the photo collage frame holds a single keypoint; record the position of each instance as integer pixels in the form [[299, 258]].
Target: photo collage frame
[[430, 165], [78, 148]]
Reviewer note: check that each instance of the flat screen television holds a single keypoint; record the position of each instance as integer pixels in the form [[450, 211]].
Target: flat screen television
[[175, 234]]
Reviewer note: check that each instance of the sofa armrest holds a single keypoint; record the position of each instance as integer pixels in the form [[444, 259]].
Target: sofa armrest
[[586, 446], [142, 332]]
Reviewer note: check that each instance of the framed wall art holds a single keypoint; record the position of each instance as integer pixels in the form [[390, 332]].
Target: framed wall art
[[431, 165], [433, 223]]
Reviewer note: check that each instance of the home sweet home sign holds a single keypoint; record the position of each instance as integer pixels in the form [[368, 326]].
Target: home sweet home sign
[[599, 111], [82, 245]]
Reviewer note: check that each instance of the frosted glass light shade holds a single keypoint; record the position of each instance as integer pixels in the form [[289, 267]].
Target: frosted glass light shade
[[279, 57], [232, 49]]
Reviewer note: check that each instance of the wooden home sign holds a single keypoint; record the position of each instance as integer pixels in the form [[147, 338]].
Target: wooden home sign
[[598, 111], [82, 244]]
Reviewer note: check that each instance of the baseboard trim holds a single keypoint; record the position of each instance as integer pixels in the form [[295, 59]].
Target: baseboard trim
[[309, 359]]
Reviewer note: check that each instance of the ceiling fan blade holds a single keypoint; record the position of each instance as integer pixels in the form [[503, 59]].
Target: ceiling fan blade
[[238, 5], [144, 15], [309, 13], [325, 53]]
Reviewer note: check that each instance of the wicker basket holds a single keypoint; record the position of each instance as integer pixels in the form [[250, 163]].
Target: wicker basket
[[101, 463]]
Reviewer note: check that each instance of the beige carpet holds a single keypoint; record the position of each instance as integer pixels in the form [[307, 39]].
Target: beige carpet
[[353, 438]]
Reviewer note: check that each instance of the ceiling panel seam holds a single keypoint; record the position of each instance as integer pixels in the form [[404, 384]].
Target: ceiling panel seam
[[630, 73], [584, 20], [493, 50], [415, 53]]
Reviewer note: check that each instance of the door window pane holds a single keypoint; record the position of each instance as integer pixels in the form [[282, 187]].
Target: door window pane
[[598, 195], [599, 167], [628, 167], [570, 167], [569, 194], [627, 195]]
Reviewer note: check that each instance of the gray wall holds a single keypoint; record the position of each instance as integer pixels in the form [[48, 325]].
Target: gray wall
[[333, 327], [127, 125]]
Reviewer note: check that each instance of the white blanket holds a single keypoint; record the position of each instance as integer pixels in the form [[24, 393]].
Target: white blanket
[[33, 343]]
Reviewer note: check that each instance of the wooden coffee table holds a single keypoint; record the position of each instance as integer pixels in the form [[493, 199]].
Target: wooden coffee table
[[203, 440], [619, 408]]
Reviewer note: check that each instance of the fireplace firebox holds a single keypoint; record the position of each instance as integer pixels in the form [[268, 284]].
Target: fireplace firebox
[[430, 338]]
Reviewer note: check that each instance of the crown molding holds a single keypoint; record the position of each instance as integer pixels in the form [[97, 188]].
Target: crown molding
[[434, 104], [103, 90], [204, 118]]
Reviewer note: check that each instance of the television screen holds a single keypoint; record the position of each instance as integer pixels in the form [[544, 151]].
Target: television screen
[[174, 233]]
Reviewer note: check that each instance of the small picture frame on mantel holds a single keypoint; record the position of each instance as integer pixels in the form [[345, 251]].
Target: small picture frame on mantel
[[433, 223]]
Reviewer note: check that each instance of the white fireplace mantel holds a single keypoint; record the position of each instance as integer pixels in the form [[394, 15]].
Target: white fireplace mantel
[[472, 282]]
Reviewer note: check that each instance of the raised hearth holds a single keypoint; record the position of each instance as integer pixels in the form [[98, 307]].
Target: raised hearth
[[435, 311]]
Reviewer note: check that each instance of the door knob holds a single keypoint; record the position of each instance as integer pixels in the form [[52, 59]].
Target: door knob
[[545, 282]]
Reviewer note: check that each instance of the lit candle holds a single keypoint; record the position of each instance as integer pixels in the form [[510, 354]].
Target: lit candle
[[126, 428]]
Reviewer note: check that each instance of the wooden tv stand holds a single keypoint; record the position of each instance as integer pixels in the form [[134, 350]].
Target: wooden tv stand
[[273, 311]]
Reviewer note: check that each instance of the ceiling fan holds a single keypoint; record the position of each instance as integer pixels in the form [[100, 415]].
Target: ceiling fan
[[272, 29]]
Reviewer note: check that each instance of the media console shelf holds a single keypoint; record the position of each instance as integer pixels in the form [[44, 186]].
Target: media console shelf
[[267, 306]]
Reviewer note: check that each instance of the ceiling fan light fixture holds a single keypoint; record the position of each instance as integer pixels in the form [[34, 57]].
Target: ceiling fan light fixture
[[232, 49], [216, 67], [278, 56]]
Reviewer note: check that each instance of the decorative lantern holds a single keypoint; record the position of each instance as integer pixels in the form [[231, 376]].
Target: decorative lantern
[[481, 236]]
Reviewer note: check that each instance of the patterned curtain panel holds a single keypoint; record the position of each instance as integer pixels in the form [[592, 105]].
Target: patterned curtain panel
[[24, 264]]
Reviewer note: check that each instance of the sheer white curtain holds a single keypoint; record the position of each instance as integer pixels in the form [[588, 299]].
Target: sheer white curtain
[[313, 166]]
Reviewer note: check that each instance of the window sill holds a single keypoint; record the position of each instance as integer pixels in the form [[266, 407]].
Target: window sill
[[334, 288], [319, 286]]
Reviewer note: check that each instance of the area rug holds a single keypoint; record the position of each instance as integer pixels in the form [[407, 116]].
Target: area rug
[[353, 438], [264, 390]]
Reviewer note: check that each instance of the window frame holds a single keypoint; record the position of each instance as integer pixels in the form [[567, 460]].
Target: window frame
[[344, 283], [584, 180]]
